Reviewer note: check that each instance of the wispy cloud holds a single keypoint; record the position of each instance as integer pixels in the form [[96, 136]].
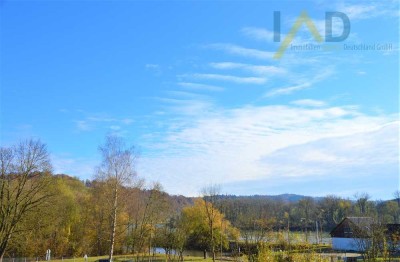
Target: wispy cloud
[[374, 148], [200, 87], [369, 10], [83, 125], [238, 141], [242, 51], [305, 84], [155, 68], [152, 66], [227, 78], [92, 121], [258, 33], [185, 106], [358, 11], [255, 69], [309, 103], [289, 90]]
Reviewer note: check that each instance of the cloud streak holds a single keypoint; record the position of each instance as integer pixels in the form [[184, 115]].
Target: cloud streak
[[93, 121], [255, 69], [200, 87], [242, 51], [227, 78], [298, 87]]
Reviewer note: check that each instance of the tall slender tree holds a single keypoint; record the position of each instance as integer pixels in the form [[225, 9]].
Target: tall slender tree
[[24, 170], [210, 197], [116, 169]]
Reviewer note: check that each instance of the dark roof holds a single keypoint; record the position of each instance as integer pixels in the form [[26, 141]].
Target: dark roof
[[361, 221], [348, 225], [358, 225]]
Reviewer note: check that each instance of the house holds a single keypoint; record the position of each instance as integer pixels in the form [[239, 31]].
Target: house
[[352, 233], [347, 234]]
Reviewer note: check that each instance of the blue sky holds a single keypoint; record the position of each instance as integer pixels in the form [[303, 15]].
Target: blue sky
[[194, 85]]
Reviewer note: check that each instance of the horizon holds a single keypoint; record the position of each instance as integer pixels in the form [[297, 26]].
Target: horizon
[[195, 87], [199, 195]]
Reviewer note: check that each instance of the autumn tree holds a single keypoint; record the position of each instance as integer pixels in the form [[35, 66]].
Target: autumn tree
[[307, 206], [197, 224], [117, 169], [210, 195], [99, 225], [24, 172], [369, 238], [59, 224], [146, 209], [362, 200]]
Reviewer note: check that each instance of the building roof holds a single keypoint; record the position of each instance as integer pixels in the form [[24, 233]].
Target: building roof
[[361, 221], [351, 227], [348, 225]]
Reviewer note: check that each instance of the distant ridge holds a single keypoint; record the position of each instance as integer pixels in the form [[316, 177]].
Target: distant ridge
[[282, 197], [288, 198]]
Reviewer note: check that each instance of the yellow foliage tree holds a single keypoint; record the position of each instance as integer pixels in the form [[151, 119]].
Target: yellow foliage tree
[[196, 223]]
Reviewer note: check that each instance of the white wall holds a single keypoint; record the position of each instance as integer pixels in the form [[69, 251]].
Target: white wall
[[345, 244]]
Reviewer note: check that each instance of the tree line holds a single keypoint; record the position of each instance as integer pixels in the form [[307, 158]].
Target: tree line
[[117, 213]]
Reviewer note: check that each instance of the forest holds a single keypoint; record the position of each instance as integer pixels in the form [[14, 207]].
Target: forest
[[117, 212]]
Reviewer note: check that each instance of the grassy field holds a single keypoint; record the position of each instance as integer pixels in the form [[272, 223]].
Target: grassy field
[[156, 258], [161, 258]]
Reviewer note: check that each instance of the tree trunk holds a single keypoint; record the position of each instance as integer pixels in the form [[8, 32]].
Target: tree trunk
[[212, 237], [114, 223], [2, 254], [3, 246]]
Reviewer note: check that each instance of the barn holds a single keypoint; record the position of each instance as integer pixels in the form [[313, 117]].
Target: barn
[[351, 234], [345, 235]]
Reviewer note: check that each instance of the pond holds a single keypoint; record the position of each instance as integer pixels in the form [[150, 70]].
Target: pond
[[193, 253]]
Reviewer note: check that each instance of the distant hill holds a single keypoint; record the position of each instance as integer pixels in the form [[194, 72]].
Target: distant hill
[[282, 197], [183, 200]]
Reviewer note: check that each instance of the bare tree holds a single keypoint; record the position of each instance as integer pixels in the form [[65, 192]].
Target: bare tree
[[210, 197], [117, 169], [369, 238], [24, 170], [362, 202], [307, 205], [396, 195]]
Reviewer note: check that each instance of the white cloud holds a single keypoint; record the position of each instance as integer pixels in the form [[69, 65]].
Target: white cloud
[[319, 76], [200, 87], [258, 33], [242, 51], [369, 10], [255, 69], [233, 145], [185, 106], [370, 149], [288, 90], [93, 121], [358, 11], [227, 78], [83, 125], [309, 103], [152, 66]]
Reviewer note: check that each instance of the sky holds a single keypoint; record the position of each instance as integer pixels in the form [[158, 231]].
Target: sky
[[197, 88]]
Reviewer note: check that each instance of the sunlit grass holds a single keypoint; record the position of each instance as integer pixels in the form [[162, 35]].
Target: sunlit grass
[[156, 258]]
